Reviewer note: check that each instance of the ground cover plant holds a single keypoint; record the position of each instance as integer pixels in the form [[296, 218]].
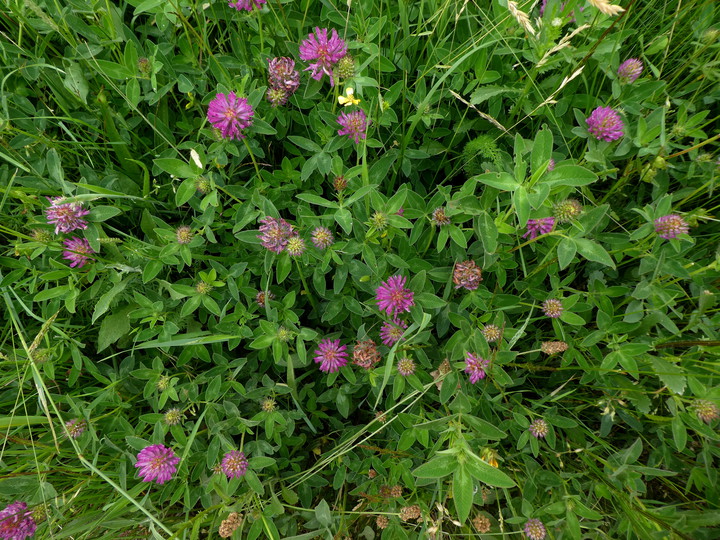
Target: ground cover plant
[[366, 269]]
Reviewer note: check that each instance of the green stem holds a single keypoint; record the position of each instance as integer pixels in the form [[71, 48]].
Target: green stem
[[252, 157], [260, 30], [430, 239], [305, 286]]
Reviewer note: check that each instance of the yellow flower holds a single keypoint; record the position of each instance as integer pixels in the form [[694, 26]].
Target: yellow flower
[[348, 99]]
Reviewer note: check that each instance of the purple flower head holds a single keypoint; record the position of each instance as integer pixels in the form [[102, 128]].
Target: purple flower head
[[230, 114], [156, 462], [75, 427], [78, 251], [234, 464], [475, 366], [391, 332], [670, 226], [354, 125], [16, 522], [283, 74], [605, 124], [551, 165], [392, 296], [247, 5], [630, 70], [535, 530], [538, 428], [67, 217], [539, 226], [322, 238], [275, 233], [325, 51], [553, 308], [331, 355]]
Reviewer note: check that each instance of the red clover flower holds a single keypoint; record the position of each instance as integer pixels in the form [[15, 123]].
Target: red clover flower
[[630, 70], [393, 297], [605, 124], [670, 226], [247, 5], [326, 51], [78, 251], [75, 427], [67, 217], [391, 332], [365, 354], [16, 522], [539, 226], [156, 462], [275, 233], [230, 114], [475, 366], [331, 355], [354, 125], [234, 464], [405, 366]]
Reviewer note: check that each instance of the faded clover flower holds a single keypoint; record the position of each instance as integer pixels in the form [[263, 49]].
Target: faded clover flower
[[391, 332], [670, 226], [706, 410], [534, 529], [382, 522], [247, 5], [482, 524], [539, 226], [539, 428], [605, 124], [475, 366], [365, 354], [322, 238], [16, 522], [229, 526], [230, 114], [276, 96], [156, 462], [67, 217], [283, 75], [326, 51], [183, 235], [439, 217], [203, 287], [295, 246], [262, 297], [405, 367], [393, 297], [78, 251], [75, 427], [552, 308], [331, 355], [203, 185], [467, 275], [410, 512], [567, 210], [234, 464], [630, 70], [41, 235], [354, 125], [275, 233], [553, 347], [491, 333]]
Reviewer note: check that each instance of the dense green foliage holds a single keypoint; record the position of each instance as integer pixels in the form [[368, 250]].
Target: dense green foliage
[[159, 338]]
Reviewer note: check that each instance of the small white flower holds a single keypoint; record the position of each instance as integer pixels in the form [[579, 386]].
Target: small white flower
[[196, 158], [557, 22]]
